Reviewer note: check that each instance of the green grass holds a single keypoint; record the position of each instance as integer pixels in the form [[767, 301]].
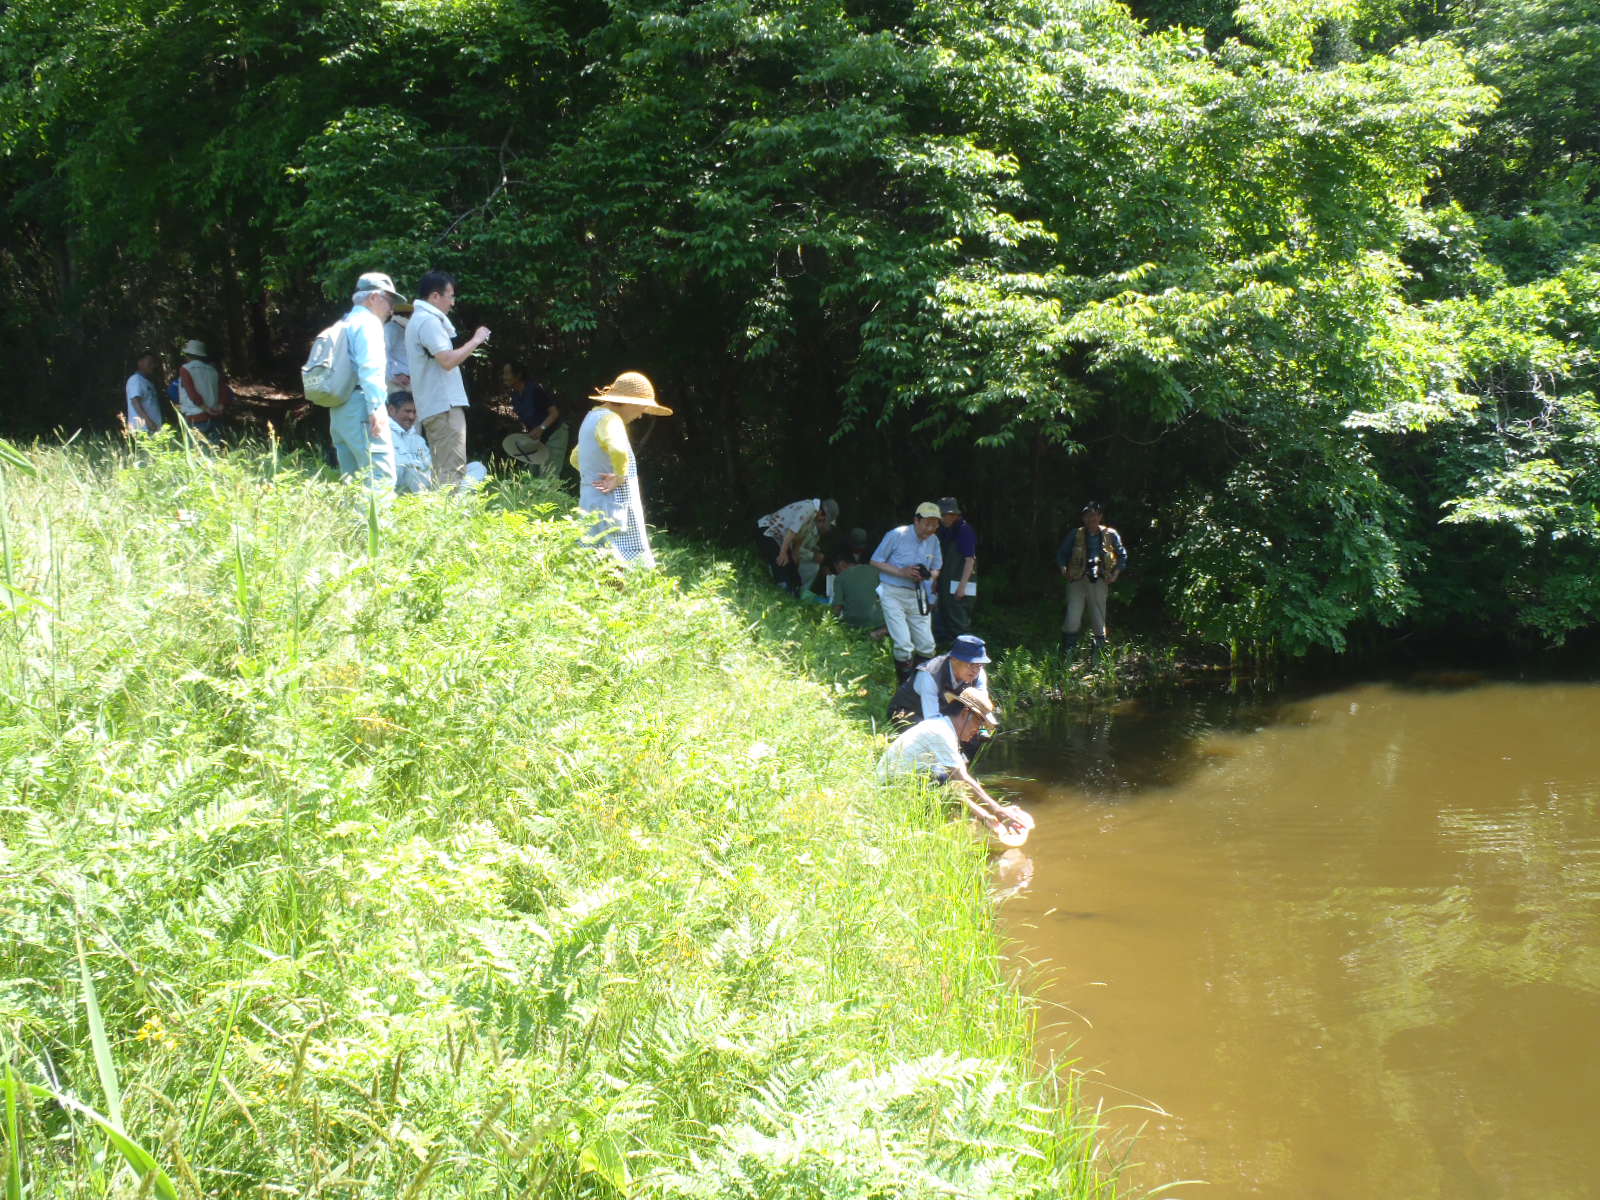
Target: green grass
[[434, 856]]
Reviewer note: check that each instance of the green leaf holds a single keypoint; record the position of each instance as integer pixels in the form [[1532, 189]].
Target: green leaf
[[13, 1159], [140, 1159], [97, 1035], [11, 457], [601, 1156]]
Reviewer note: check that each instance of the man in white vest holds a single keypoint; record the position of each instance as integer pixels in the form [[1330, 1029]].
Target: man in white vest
[[202, 392]]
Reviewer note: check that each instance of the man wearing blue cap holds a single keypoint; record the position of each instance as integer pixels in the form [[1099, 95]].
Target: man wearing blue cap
[[933, 688]]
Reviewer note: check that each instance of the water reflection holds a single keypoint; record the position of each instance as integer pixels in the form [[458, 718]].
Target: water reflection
[[1350, 942]]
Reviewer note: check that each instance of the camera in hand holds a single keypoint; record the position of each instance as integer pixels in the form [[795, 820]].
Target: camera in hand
[[922, 571]]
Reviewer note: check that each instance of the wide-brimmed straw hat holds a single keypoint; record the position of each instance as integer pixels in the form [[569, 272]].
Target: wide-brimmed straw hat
[[979, 704], [632, 388], [527, 449]]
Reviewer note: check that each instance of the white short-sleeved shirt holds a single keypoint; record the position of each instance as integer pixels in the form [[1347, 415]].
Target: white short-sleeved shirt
[[791, 518], [435, 389], [140, 388], [928, 746]]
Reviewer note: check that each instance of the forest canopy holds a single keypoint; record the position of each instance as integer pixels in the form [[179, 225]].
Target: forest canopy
[[1308, 291]]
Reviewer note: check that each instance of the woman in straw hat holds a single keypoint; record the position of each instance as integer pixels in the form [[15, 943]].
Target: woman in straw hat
[[608, 477]]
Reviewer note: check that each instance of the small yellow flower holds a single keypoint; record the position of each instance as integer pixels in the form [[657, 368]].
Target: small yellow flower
[[155, 1030]]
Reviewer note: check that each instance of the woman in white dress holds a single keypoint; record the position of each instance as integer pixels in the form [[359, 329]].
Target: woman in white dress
[[608, 476]]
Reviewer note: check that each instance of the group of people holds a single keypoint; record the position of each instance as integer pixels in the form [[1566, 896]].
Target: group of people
[[407, 374], [403, 428], [198, 393], [918, 587], [893, 590], [423, 366]]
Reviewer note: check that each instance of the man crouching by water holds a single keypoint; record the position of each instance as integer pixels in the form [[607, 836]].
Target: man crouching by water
[[933, 748]]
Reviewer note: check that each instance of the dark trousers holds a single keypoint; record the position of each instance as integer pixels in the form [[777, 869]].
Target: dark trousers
[[952, 617], [787, 576]]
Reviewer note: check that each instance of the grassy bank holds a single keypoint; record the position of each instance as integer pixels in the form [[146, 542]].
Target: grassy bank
[[434, 857]]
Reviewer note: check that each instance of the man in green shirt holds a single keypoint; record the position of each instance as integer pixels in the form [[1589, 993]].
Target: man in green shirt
[[855, 593]]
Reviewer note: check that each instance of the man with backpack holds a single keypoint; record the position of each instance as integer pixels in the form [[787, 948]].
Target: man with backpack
[[360, 426]]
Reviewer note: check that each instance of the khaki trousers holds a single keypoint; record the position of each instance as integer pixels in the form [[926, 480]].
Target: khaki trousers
[[1090, 594], [447, 442]]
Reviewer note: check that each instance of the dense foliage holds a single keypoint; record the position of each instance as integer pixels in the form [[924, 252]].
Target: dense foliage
[[431, 856], [1305, 289]]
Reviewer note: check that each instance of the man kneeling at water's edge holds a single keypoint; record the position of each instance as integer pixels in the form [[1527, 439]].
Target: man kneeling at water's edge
[[933, 748]]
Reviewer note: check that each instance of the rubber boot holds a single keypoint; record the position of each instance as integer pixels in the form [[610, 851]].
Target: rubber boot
[[1096, 651], [902, 671], [1069, 643]]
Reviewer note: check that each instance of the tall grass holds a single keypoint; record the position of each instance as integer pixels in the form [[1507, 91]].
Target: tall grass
[[428, 854]]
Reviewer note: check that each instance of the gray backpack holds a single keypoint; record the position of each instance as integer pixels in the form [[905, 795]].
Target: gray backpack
[[329, 375]]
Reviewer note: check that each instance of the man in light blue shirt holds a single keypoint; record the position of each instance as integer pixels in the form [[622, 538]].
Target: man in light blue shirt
[[413, 463], [908, 568], [360, 426]]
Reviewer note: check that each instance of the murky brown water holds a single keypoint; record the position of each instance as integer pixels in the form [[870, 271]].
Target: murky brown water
[[1345, 946]]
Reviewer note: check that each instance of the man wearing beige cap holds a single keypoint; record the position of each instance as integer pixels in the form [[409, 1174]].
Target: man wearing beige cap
[[436, 383], [908, 569]]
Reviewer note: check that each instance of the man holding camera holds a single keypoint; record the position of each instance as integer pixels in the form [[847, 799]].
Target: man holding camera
[[908, 567], [1091, 557], [436, 383]]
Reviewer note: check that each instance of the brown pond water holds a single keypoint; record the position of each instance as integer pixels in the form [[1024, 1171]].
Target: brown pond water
[[1346, 945]]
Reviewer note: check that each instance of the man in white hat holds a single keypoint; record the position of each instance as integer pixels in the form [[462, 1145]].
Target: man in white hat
[[360, 426], [436, 383], [201, 389], [608, 475], [908, 568]]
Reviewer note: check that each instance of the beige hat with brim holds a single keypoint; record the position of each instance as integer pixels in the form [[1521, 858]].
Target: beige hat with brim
[[632, 388], [526, 448], [195, 347], [979, 704]]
